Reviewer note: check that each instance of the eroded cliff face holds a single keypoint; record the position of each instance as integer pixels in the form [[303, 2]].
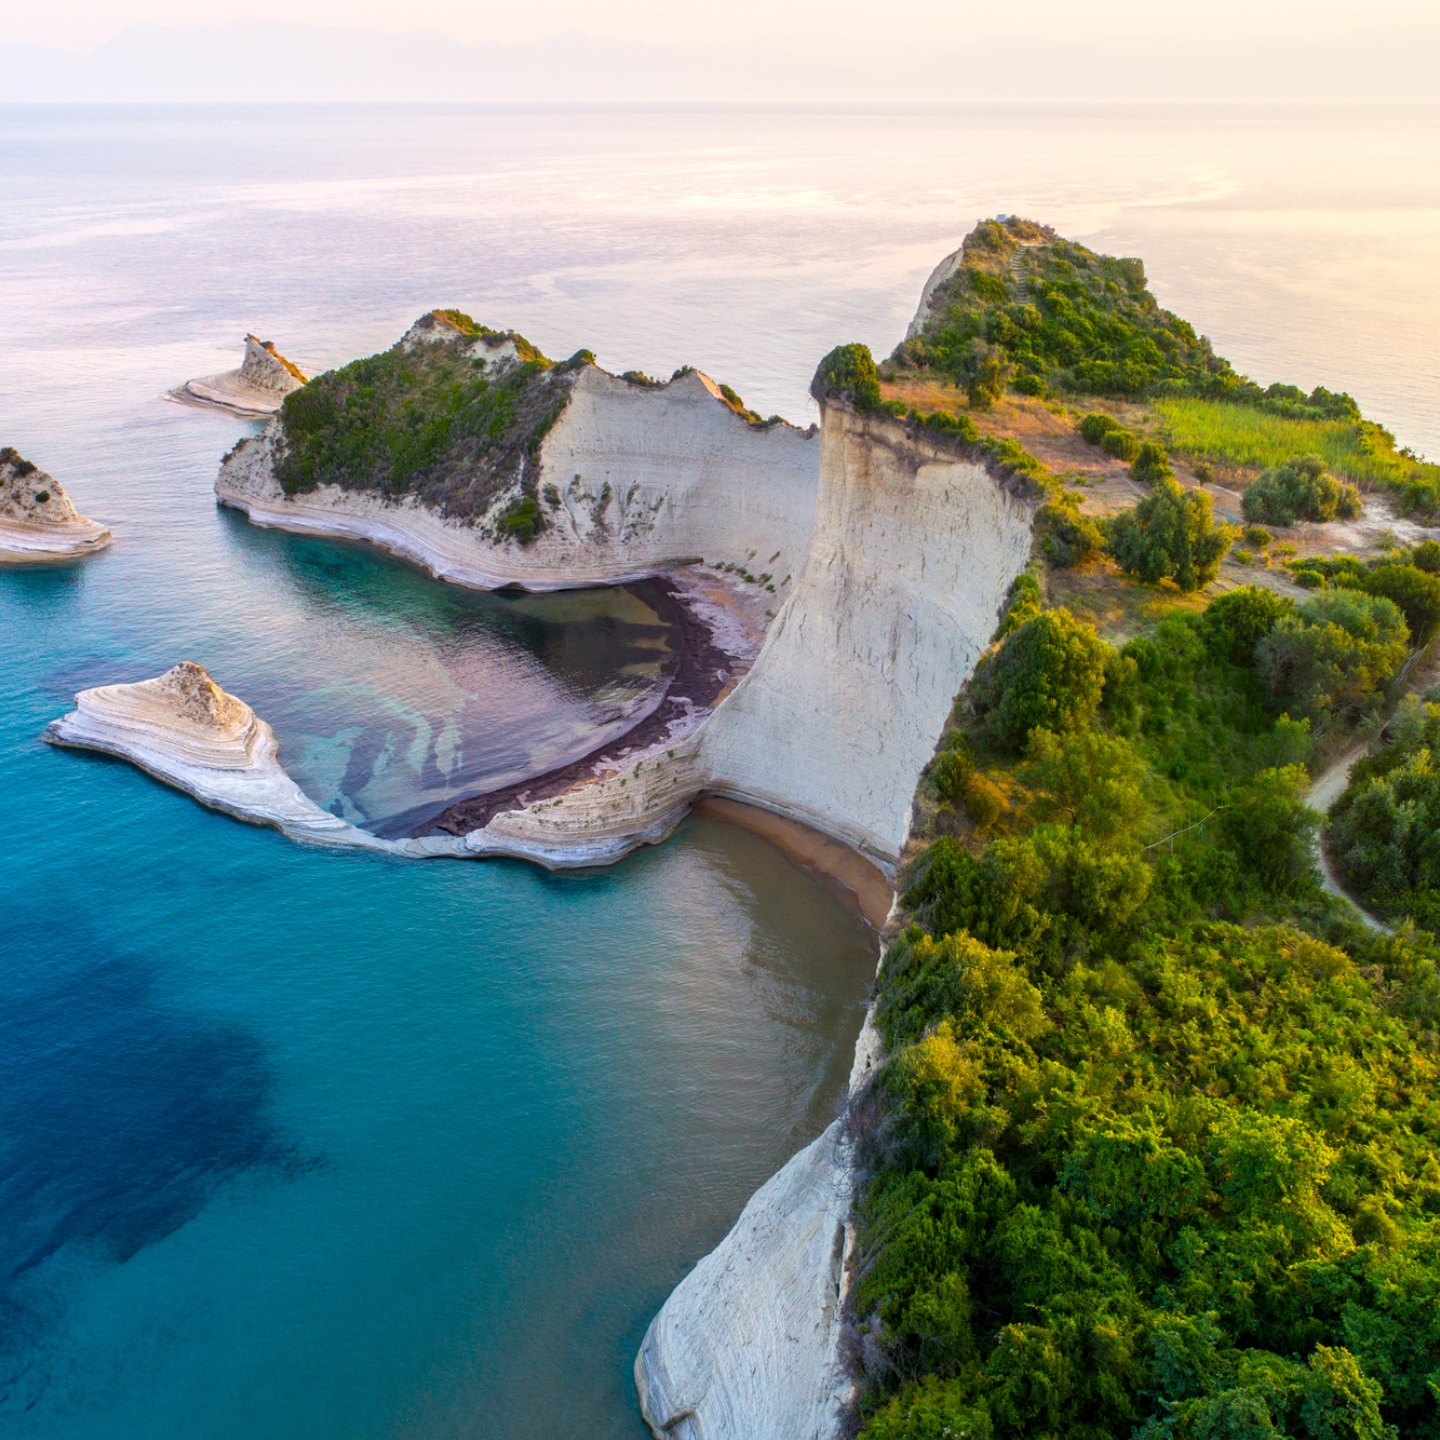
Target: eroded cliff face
[[913, 553], [38, 522], [259, 387], [630, 480]]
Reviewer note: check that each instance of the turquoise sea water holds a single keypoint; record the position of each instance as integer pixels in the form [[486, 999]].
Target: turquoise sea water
[[302, 1144]]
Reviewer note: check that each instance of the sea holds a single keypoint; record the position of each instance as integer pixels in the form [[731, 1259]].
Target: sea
[[313, 1145]]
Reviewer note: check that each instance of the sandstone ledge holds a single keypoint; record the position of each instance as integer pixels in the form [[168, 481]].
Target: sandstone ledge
[[38, 522], [254, 391]]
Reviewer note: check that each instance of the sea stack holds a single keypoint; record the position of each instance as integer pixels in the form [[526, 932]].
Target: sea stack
[[38, 523], [256, 389], [182, 728]]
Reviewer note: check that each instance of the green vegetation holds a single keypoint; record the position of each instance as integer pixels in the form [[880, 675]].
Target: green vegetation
[[1299, 490], [1171, 535], [16, 463], [1151, 464], [849, 372], [1386, 826], [1245, 436], [431, 421], [1145, 1158], [1068, 537]]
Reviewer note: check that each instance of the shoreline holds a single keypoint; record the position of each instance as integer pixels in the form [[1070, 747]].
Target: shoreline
[[864, 883], [703, 674]]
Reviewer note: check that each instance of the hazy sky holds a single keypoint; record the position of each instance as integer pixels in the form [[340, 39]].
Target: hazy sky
[[80, 24]]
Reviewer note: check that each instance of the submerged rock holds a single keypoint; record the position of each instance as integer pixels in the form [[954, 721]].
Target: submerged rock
[[257, 388], [38, 522]]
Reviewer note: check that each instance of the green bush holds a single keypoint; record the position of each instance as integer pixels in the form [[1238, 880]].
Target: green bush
[[1257, 537], [1235, 623], [1122, 444], [1026, 383], [1416, 593], [1095, 426], [1050, 672], [986, 285], [1150, 463], [1384, 826], [1426, 557], [1299, 490], [1070, 537], [1023, 603], [1334, 652], [523, 520], [1171, 535], [849, 372]]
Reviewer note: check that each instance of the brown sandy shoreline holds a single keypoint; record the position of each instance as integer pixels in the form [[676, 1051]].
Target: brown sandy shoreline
[[702, 672]]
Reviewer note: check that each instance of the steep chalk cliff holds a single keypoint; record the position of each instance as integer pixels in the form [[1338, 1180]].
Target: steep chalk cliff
[[37, 521], [914, 551], [256, 389], [623, 479]]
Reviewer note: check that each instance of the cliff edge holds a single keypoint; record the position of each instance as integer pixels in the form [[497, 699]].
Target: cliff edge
[[38, 522]]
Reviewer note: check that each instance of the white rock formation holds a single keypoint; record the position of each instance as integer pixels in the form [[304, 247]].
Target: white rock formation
[[914, 552], [256, 389], [634, 479], [38, 523], [747, 1346], [182, 728]]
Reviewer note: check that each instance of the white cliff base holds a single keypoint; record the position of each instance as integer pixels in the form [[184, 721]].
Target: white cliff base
[[182, 728], [38, 522], [747, 1347], [257, 389]]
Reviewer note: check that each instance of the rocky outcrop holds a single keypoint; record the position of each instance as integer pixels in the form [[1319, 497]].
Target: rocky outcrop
[[631, 480], [748, 1344], [38, 523], [258, 388], [182, 728]]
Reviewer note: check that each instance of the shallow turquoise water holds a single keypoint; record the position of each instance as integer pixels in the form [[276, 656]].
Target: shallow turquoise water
[[302, 1144]]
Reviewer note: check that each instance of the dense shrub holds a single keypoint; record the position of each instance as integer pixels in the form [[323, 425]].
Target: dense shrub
[[1122, 444], [1386, 827], [1070, 537], [1150, 463], [523, 520], [1050, 672], [1299, 490], [1097, 425], [1234, 623], [1415, 593], [1334, 652], [1171, 535], [849, 372], [1426, 557], [1022, 605], [1026, 383]]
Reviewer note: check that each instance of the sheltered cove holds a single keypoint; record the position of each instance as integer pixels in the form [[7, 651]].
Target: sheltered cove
[[865, 639]]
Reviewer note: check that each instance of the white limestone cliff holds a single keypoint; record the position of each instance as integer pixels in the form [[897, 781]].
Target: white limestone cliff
[[746, 1348], [38, 522], [634, 480], [257, 389]]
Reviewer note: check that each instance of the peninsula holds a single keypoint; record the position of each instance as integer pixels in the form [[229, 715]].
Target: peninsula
[[255, 390], [38, 522], [1139, 1135]]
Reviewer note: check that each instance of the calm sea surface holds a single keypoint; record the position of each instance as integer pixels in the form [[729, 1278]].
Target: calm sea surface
[[300, 1144]]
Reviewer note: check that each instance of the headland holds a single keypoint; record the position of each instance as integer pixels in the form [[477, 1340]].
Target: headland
[[253, 391], [38, 522]]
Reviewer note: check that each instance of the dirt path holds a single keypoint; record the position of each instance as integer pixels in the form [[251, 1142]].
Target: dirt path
[[1327, 789]]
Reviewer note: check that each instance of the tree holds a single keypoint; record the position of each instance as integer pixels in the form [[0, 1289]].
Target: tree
[[1416, 593], [1334, 651], [1299, 490], [1087, 778], [1050, 672], [1150, 464], [849, 372], [1171, 535], [1234, 623], [1272, 829], [1071, 538]]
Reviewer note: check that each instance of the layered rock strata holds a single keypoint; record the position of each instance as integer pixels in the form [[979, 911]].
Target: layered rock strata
[[257, 389], [632, 480], [182, 728], [38, 522]]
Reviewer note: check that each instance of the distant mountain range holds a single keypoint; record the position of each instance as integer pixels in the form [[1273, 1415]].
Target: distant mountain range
[[255, 61]]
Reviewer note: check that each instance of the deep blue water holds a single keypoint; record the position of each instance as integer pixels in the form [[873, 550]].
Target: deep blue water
[[307, 1144]]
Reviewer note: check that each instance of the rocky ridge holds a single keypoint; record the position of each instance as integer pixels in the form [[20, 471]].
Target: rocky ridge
[[257, 389]]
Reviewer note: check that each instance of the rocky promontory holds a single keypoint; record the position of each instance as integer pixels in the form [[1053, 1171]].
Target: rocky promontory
[[256, 389], [38, 522], [182, 728]]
